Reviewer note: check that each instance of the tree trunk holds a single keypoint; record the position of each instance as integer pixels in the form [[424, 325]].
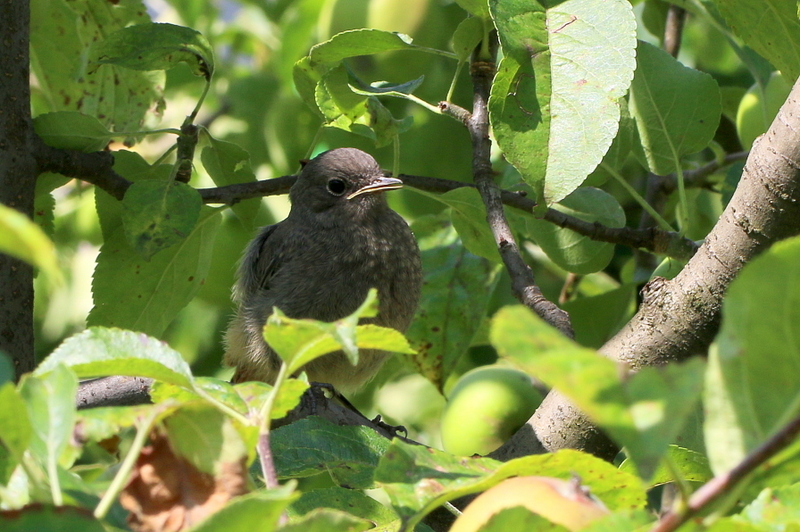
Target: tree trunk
[[17, 180]]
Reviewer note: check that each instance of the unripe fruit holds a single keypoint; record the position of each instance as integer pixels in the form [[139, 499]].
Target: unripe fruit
[[486, 406], [757, 110], [560, 501]]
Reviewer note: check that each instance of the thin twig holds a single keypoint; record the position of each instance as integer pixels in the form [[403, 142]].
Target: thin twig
[[721, 484], [97, 169], [522, 280], [673, 30]]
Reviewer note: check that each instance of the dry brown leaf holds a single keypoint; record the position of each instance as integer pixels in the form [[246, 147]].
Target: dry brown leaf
[[167, 493]]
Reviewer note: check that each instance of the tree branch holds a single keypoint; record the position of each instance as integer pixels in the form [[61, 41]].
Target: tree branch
[[523, 283], [718, 486], [673, 30], [97, 168], [679, 318]]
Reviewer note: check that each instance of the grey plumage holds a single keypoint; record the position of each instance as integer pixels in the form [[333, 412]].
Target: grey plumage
[[339, 240]]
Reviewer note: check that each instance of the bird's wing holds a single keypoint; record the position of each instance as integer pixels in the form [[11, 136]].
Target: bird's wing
[[261, 261]]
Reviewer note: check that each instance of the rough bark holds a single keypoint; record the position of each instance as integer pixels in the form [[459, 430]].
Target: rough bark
[[17, 180], [679, 318]]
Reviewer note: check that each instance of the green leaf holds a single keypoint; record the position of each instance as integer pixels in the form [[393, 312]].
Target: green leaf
[[479, 8], [676, 108], [50, 401], [456, 289], [770, 27], [519, 518], [15, 425], [145, 296], [157, 47], [571, 251], [206, 437], [753, 380], [159, 214], [644, 412], [305, 81], [357, 42], [354, 502], [23, 239], [313, 445], [62, 33], [134, 168], [220, 390], [418, 479], [469, 34], [227, 164], [43, 518], [259, 510], [71, 130], [299, 341], [778, 507], [97, 424], [554, 104], [596, 319], [326, 520], [622, 520], [384, 88], [468, 216], [101, 352], [691, 466]]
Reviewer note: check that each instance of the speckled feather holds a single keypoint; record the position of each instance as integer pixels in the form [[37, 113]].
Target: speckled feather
[[319, 263]]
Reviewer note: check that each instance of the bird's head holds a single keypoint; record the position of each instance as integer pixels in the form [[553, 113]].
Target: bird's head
[[342, 183]]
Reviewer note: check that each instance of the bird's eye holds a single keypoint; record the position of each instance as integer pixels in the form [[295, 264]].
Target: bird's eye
[[336, 186]]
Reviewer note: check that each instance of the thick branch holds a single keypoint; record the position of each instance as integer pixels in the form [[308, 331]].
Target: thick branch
[[17, 181], [680, 317]]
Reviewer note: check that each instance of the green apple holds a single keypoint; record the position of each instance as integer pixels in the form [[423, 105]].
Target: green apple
[[758, 108], [485, 407]]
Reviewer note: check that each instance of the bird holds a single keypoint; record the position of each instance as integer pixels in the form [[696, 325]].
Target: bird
[[339, 240]]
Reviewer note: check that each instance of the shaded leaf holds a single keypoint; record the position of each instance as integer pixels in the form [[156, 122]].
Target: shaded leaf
[[159, 214], [227, 164], [145, 296], [456, 289], [313, 445], [569, 250], [676, 108], [71, 130], [774, 36], [156, 46], [44, 518], [205, 437]]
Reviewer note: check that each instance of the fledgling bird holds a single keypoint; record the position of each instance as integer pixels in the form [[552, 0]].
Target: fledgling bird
[[339, 240]]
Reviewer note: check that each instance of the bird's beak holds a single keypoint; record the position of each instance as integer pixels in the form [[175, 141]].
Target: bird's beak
[[378, 185]]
